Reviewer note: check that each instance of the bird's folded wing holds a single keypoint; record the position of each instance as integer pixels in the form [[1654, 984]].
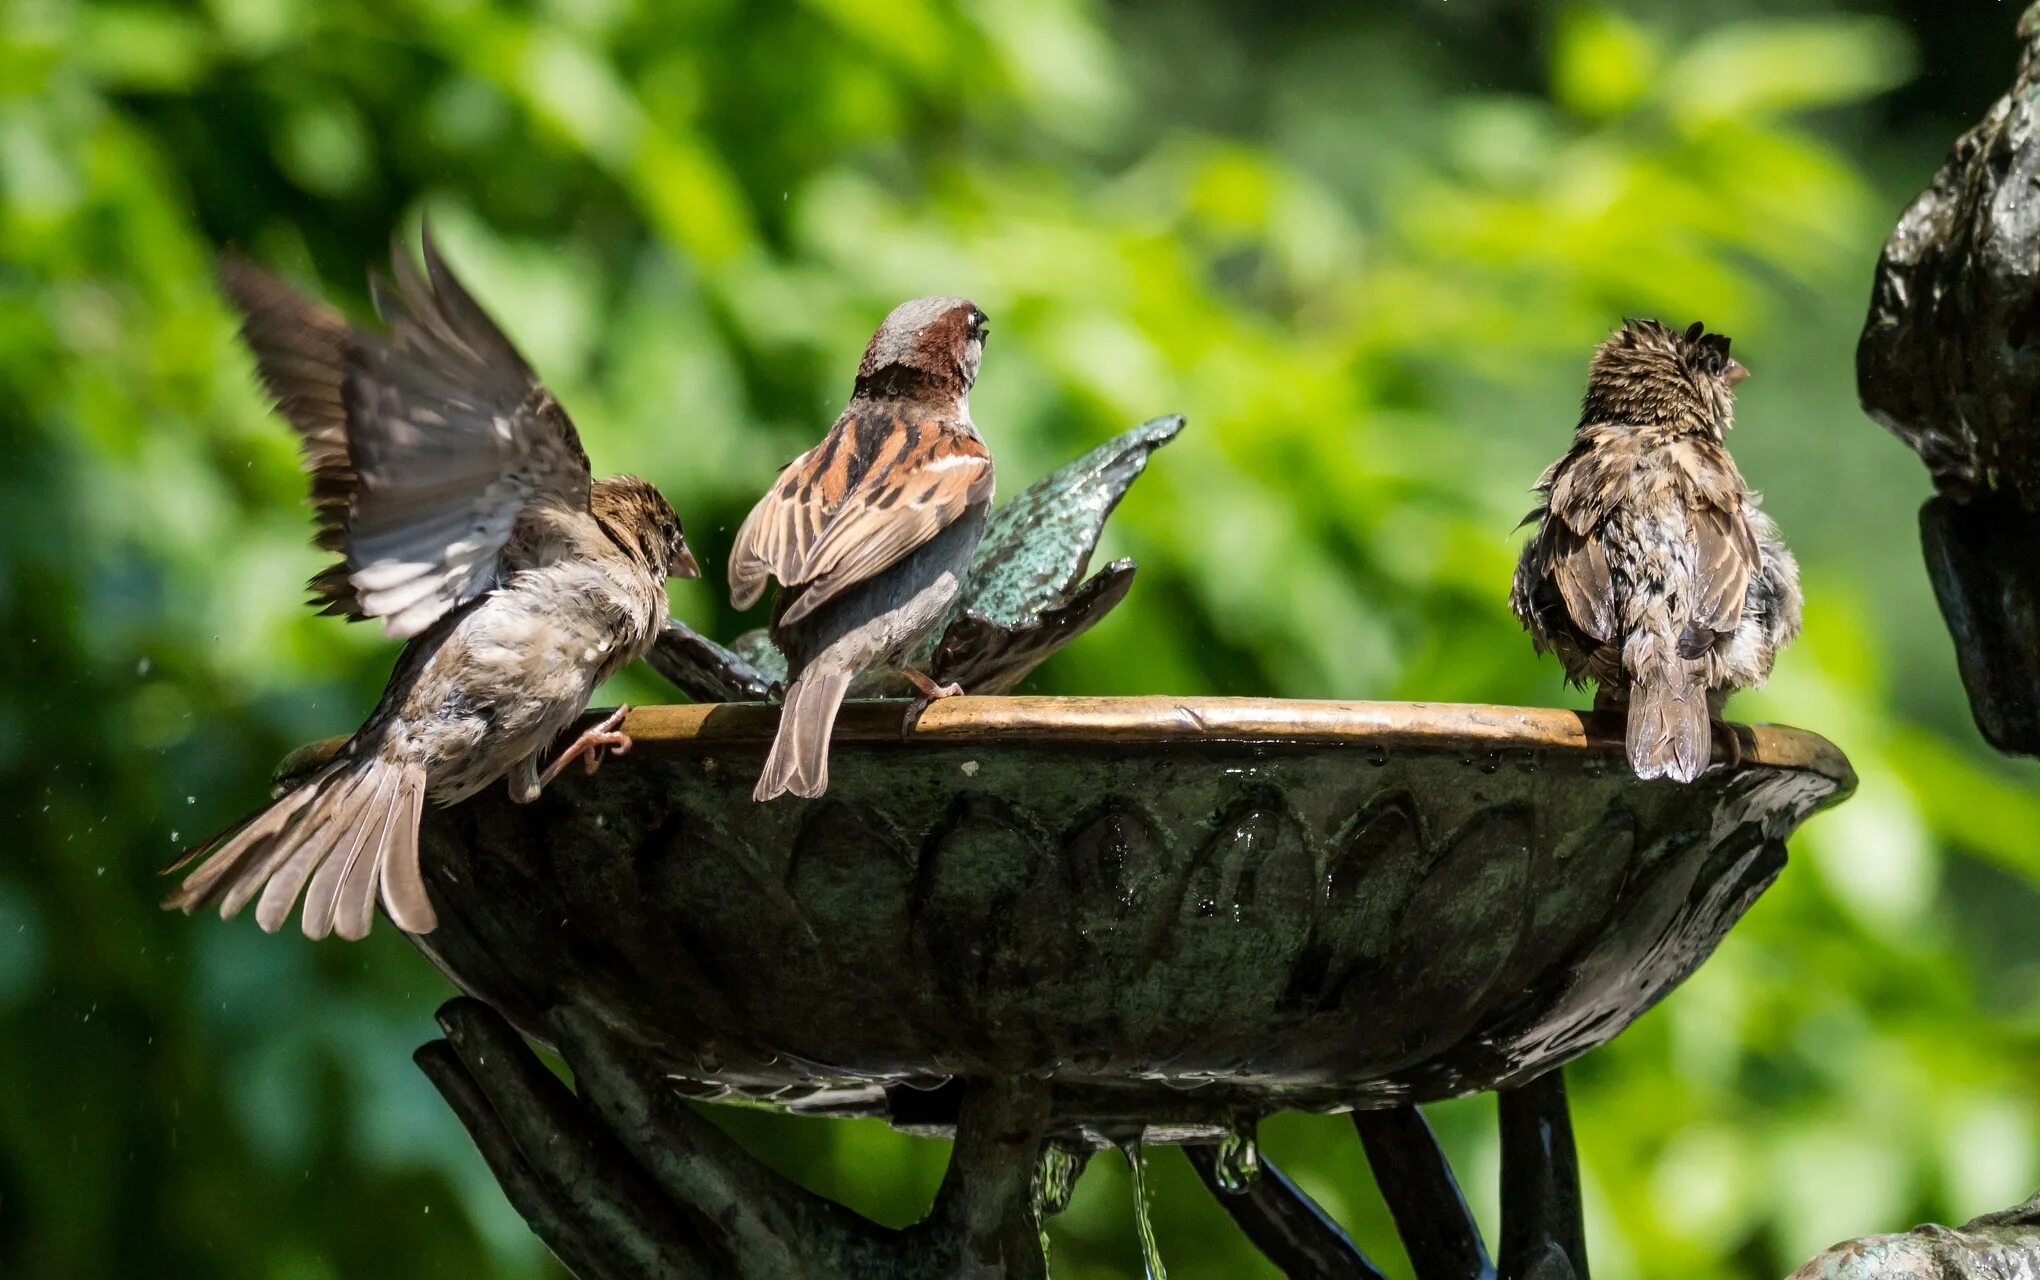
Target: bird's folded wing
[[821, 531], [1580, 490], [1579, 565], [427, 446], [1725, 555]]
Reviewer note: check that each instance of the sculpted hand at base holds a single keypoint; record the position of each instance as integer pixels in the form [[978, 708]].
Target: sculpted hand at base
[[624, 1180]]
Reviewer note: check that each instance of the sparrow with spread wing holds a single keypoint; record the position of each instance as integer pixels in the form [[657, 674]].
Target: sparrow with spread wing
[[1652, 571], [870, 533], [456, 491]]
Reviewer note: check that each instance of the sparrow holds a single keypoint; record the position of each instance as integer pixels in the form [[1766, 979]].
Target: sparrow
[[457, 493], [870, 533], [1652, 571]]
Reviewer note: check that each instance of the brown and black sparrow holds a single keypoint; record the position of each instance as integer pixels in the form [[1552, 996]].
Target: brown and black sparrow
[[1652, 571], [870, 532], [456, 491]]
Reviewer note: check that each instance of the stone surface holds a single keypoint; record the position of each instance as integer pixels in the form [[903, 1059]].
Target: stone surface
[[1950, 362], [1950, 357], [1175, 912], [1997, 1246], [1983, 558]]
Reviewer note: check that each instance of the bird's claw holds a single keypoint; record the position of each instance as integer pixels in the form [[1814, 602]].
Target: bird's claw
[[1731, 741], [589, 746], [928, 691]]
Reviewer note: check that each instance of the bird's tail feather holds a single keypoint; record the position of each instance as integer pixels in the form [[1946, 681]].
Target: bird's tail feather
[[1670, 735], [349, 832], [799, 761]]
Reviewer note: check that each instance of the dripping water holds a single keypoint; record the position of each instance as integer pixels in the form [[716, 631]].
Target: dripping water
[[1143, 1223], [1057, 1177], [1239, 1158]]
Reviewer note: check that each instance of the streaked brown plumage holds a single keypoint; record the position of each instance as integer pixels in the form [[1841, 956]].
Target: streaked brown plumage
[[870, 532], [1652, 571], [457, 492]]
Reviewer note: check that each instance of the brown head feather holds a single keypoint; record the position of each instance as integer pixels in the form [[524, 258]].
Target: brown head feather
[[926, 346], [1647, 374], [638, 519]]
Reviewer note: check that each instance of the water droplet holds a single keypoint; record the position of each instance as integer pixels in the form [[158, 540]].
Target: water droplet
[[191, 799], [142, 668], [1143, 1222], [1239, 1158], [1058, 1177]]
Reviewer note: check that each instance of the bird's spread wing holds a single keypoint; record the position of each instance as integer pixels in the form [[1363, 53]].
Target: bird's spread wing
[[300, 349], [426, 447], [878, 487]]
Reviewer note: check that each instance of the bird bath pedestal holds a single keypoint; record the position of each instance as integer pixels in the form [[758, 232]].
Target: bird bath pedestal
[[1044, 925]]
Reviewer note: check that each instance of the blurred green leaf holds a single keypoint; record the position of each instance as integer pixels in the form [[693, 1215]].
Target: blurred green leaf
[[1765, 68], [1602, 62]]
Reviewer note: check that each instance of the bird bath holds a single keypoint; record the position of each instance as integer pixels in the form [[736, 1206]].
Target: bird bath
[[1046, 925], [1112, 917]]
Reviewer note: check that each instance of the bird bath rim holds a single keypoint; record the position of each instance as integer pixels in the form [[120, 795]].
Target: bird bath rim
[[1206, 721], [1154, 718]]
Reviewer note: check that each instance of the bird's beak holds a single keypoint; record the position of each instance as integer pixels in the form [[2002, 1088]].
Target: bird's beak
[[686, 566], [1737, 371]]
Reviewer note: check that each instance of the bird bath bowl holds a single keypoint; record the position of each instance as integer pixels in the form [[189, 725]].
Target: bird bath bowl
[[1177, 913]]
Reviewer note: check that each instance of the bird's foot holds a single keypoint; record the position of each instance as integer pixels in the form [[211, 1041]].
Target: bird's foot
[[1730, 740], [590, 745], [928, 691]]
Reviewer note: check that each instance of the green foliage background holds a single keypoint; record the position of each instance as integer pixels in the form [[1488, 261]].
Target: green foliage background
[[1365, 248]]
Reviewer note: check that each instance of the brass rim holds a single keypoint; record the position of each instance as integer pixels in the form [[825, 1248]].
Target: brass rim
[[1161, 719], [1433, 726]]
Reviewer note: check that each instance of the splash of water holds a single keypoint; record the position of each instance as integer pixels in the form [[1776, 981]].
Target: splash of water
[[1239, 1158], [1143, 1223]]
